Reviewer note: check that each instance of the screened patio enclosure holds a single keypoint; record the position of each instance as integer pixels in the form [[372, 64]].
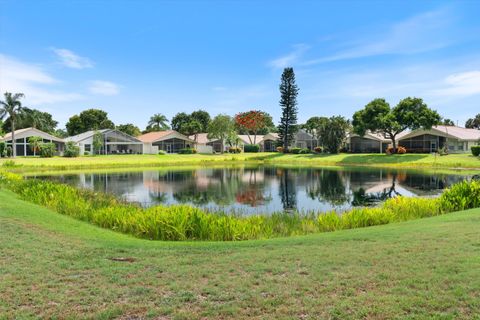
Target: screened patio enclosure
[[173, 145], [117, 142], [423, 143]]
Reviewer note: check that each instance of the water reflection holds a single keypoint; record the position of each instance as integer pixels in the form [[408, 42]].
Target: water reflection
[[263, 189]]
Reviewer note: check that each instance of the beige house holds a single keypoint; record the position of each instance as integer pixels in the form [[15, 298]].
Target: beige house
[[22, 145], [455, 139], [369, 143], [267, 143], [169, 141]]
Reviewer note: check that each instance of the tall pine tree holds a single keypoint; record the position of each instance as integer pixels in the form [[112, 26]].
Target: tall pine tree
[[288, 102]]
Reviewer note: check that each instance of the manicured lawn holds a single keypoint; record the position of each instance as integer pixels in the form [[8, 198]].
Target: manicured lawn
[[117, 161], [52, 266]]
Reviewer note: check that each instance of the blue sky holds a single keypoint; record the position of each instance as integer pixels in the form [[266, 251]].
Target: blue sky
[[137, 58]]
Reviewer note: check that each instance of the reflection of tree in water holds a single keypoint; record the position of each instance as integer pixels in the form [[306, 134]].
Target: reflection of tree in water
[[361, 198], [328, 185], [288, 194], [221, 188], [252, 193], [158, 197]]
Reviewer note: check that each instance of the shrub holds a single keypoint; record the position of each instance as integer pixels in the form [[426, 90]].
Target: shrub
[[3, 147], [251, 148], [401, 150], [305, 151], [86, 153], [8, 151], [47, 150], [188, 151], [279, 149], [476, 150], [71, 150], [318, 149], [234, 150], [442, 151], [295, 150], [461, 196], [162, 152]]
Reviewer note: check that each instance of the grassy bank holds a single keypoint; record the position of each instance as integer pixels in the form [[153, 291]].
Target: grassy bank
[[52, 266], [184, 222], [460, 161]]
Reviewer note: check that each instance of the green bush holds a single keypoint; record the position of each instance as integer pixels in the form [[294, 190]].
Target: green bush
[[71, 150], [305, 151], [251, 148], [476, 150], [188, 151], [234, 150], [47, 150], [162, 152], [3, 147], [461, 196], [295, 150]]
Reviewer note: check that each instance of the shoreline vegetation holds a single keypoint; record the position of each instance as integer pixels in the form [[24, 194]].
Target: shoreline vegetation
[[414, 161], [184, 222]]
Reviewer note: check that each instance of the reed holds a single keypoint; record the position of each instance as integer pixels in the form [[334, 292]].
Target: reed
[[184, 222]]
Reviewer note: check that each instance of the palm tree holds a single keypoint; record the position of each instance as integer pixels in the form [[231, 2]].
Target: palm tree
[[11, 107], [35, 143], [158, 122]]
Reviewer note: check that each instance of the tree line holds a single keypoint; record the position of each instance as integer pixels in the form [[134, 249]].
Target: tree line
[[330, 132]]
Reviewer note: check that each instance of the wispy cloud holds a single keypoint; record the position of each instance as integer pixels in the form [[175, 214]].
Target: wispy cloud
[[105, 88], [71, 60], [425, 32], [33, 80], [460, 84], [290, 58]]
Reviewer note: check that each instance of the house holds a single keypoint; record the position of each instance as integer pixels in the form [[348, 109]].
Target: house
[[206, 145], [304, 140], [22, 145], [267, 143], [114, 142], [369, 143], [169, 141], [456, 139]]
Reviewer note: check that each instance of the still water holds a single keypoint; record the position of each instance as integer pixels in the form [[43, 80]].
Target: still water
[[263, 189]]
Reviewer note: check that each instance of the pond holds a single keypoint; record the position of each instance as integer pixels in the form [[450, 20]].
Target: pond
[[263, 189]]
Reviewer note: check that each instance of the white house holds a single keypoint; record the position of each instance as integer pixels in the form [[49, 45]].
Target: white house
[[114, 142], [22, 145], [456, 139]]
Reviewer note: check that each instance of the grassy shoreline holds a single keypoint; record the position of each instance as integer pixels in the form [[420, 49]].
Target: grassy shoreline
[[426, 161], [416, 269]]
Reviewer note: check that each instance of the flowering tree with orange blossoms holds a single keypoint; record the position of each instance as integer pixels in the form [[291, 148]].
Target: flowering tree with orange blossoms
[[252, 121]]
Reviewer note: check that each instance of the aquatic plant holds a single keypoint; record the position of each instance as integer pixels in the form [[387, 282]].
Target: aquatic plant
[[184, 222]]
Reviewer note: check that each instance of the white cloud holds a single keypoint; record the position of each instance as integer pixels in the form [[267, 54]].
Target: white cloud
[[105, 88], [425, 32], [31, 79], [289, 59], [71, 60], [460, 84]]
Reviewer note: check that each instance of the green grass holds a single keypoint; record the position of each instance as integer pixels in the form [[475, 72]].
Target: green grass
[[462, 161], [52, 266]]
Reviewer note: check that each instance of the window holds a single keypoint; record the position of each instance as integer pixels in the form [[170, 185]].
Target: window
[[88, 147]]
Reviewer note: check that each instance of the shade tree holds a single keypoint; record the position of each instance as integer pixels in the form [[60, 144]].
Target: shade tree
[[378, 117]]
